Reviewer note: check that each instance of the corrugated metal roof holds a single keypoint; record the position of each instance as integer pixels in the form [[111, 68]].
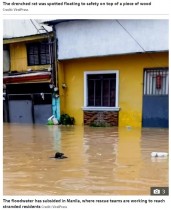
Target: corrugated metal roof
[[20, 28], [56, 21]]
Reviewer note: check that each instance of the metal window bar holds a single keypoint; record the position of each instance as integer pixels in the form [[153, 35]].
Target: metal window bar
[[101, 93], [94, 92], [150, 82], [101, 78]]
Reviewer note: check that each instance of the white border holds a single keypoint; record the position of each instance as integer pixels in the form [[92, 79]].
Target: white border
[[86, 107]]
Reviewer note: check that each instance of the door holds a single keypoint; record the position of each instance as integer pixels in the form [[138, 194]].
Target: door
[[20, 108], [155, 98], [42, 107]]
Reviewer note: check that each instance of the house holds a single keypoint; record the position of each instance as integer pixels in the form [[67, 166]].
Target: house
[[113, 72], [28, 75]]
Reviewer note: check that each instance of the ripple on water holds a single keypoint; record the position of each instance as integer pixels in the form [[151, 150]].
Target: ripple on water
[[105, 161]]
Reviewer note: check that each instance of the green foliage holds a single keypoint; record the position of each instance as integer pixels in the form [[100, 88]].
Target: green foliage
[[67, 120]]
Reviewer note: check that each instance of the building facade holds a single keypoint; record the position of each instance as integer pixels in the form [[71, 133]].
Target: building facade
[[27, 69], [113, 72]]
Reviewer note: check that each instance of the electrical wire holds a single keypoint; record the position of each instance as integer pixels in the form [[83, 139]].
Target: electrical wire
[[35, 26], [143, 49], [131, 36]]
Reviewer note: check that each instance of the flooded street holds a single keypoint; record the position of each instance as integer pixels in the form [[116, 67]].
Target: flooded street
[[101, 161]]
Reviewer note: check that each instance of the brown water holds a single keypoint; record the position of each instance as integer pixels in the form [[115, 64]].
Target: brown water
[[101, 161]]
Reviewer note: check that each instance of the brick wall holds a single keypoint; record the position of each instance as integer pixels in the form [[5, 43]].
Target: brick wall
[[109, 118]]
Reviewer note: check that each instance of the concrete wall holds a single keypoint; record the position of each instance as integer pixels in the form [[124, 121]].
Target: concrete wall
[[18, 58], [130, 83], [87, 38], [6, 61]]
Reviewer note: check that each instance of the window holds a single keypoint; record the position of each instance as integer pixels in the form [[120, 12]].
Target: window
[[38, 54], [101, 90], [6, 58], [156, 81]]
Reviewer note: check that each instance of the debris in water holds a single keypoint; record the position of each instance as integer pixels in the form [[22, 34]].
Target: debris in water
[[159, 154], [52, 120], [59, 155]]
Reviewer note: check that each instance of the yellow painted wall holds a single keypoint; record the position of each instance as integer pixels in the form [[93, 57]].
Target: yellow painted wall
[[62, 91], [130, 83], [18, 58]]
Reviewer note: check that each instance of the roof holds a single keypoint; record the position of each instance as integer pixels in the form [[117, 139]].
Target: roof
[[57, 21], [14, 28]]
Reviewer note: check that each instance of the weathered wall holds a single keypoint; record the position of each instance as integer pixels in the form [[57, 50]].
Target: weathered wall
[[130, 83], [6, 61], [18, 58], [88, 38]]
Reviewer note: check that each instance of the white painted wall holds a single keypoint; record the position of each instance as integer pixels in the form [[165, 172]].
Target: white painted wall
[[86, 38]]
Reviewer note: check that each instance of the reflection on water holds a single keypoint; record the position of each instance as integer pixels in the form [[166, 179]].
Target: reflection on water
[[101, 161]]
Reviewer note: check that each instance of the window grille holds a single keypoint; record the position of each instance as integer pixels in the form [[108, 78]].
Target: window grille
[[38, 54], [101, 90], [156, 81]]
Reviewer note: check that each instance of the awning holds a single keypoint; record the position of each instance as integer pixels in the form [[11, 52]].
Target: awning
[[27, 77]]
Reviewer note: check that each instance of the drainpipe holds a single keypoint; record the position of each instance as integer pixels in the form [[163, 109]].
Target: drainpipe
[[55, 96], [55, 59], [51, 53]]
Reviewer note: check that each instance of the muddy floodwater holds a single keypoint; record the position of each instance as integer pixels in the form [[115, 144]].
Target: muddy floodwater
[[101, 161]]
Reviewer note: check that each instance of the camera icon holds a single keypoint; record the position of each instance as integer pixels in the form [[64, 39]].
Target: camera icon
[[156, 192], [159, 191]]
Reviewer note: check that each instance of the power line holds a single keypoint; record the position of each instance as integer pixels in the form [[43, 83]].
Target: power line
[[131, 35], [150, 56], [35, 26]]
